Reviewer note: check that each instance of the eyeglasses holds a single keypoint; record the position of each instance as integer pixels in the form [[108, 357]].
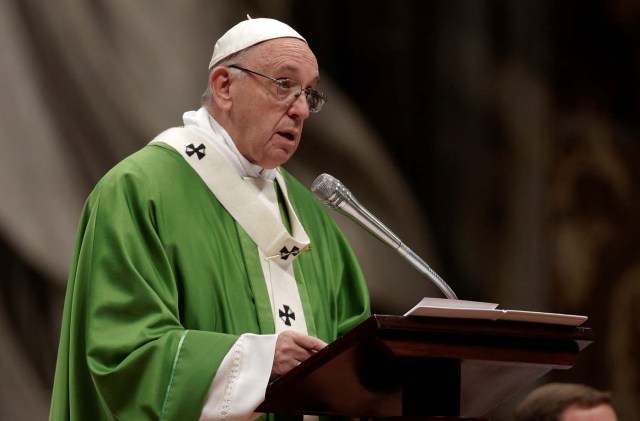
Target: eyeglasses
[[289, 90]]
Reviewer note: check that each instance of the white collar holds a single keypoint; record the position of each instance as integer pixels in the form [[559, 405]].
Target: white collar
[[203, 123]]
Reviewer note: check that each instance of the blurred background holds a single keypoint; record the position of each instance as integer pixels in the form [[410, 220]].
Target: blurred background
[[499, 139]]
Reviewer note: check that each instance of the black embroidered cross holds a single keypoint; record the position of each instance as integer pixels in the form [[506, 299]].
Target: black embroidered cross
[[199, 150], [284, 253], [286, 315]]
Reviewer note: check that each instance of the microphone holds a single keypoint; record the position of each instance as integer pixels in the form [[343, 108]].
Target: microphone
[[333, 194]]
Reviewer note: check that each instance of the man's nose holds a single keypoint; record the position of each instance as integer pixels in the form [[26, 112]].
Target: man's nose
[[300, 107]]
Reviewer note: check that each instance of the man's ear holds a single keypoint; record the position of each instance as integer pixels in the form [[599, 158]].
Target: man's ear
[[220, 82]]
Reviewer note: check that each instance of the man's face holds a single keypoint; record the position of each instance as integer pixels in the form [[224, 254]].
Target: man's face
[[267, 131], [596, 413]]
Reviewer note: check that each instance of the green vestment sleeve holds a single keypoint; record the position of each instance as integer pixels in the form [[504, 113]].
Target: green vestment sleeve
[[164, 281]]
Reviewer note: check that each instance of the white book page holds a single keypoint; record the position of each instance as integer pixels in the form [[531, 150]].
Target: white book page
[[541, 317], [444, 307], [462, 309]]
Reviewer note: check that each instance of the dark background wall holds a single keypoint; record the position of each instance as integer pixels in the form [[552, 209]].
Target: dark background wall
[[516, 127]]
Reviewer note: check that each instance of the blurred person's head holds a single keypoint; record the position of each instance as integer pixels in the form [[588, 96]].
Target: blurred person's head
[[565, 402]]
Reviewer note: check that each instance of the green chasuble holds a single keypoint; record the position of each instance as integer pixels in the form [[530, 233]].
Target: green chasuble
[[163, 282]]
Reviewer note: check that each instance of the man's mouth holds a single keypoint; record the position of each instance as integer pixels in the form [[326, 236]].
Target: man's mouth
[[287, 135]]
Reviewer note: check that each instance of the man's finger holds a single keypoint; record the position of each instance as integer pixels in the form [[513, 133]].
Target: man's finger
[[309, 342]]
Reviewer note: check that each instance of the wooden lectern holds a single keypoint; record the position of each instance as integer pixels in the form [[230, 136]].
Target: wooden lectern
[[422, 367]]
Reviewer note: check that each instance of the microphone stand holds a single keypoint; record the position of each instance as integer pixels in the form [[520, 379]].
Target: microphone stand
[[334, 195]]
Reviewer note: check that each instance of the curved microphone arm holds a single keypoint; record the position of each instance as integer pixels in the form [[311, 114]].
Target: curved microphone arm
[[333, 194]]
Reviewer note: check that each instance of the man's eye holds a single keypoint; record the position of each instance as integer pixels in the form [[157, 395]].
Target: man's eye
[[287, 83]]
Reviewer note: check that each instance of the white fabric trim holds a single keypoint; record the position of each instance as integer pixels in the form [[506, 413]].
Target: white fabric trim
[[279, 276], [278, 273], [238, 197], [241, 380], [206, 126], [296, 227]]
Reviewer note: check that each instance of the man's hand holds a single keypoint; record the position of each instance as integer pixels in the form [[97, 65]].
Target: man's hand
[[291, 349]]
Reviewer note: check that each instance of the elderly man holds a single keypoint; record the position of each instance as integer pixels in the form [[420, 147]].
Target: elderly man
[[202, 269]]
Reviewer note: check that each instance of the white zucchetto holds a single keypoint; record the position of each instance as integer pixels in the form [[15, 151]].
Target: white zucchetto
[[248, 33]]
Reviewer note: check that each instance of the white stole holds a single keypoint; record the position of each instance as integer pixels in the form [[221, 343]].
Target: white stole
[[252, 202], [241, 379]]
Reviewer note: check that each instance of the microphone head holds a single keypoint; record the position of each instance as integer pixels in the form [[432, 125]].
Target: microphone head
[[324, 186]]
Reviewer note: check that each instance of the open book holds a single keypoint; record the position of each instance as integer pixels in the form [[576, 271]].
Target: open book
[[442, 307]]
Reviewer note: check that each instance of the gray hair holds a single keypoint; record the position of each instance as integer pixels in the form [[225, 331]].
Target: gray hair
[[206, 98]]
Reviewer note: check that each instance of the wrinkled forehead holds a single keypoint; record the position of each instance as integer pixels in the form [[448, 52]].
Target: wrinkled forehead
[[282, 54]]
